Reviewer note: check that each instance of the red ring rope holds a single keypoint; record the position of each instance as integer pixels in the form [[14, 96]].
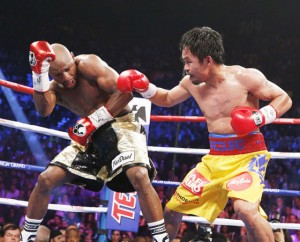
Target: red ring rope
[[154, 118], [160, 118]]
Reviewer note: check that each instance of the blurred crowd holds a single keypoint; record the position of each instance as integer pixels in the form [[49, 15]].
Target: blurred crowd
[[276, 57]]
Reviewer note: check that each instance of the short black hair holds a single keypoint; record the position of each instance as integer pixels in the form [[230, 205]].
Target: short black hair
[[202, 42]]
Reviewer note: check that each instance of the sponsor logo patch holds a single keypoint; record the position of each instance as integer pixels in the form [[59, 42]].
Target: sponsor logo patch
[[258, 119], [194, 182], [79, 129], [240, 182], [32, 59], [183, 200], [122, 159]]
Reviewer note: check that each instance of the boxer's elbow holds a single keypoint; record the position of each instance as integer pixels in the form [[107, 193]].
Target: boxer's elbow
[[43, 109]]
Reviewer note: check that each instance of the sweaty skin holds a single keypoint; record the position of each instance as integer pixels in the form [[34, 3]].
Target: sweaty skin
[[218, 89], [82, 84]]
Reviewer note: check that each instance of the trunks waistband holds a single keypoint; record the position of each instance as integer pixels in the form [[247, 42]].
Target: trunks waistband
[[129, 117], [231, 144]]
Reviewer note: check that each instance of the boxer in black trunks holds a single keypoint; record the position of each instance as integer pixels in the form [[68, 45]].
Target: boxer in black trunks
[[107, 145]]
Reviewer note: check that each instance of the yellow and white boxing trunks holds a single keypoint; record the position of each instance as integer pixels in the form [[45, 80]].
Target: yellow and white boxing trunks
[[115, 147], [234, 168]]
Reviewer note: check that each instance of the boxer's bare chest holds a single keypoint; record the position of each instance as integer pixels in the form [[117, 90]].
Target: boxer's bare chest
[[84, 98]]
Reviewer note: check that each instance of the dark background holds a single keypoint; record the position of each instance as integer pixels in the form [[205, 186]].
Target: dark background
[[116, 28]]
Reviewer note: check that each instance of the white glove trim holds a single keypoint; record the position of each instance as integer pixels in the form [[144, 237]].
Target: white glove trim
[[41, 82], [100, 117], [270, 114], [150, 92]]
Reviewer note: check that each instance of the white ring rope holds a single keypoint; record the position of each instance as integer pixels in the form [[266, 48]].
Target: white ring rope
[[64, 135], [33, 128], [70, 208], [192, 219], [60, 207]]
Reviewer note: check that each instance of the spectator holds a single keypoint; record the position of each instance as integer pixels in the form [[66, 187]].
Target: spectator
[[295, 237], [10, 232], [55, 223], [296, 206], [43, 234], [138, 239], [292, 218], [282, 235], [73, 235], [57, 236], [116, 236], [12, 215], [72, 218]]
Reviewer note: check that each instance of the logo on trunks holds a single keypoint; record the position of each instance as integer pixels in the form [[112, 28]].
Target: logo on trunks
[[227, 145], [79, 130], [122, 159], [194, 182], [258, 164], [240, 182], [32, 60], [257, 118], [183, 200]]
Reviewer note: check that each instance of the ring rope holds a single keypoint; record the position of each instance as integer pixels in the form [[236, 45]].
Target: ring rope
[[193, 219], [156, 118], [60, 207], [64, 135], [18, 166], [161, 118], [46, 131]]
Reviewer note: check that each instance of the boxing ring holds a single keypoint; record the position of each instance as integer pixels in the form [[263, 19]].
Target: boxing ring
[[174, 150]]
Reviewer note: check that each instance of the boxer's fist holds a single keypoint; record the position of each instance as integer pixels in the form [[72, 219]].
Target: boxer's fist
[[85, 127], [40, 55], [246, 119], [133, 80], [82, 131]]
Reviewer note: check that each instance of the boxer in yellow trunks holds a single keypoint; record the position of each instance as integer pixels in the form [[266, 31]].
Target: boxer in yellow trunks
[[234, 168], [228, 97]]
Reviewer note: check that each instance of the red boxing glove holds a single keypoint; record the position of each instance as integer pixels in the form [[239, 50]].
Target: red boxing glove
[[82, 131], [85, 127], [130, 80], [40, 55], [246, 119]]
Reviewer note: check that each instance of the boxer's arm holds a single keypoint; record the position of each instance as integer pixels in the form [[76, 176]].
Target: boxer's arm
[[259, 86], [170, 98], [247, 119], [133, 80], [44, 102], [96, 69], [40, 56], [93, 68]]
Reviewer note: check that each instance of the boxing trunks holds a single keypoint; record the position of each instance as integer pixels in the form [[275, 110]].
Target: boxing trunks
[[115, 147], [234, 168]]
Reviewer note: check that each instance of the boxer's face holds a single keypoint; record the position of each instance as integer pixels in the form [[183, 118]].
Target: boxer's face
[[193, 67], [63, 71]]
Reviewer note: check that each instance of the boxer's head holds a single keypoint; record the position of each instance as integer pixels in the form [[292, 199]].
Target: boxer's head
[[63, 68]]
